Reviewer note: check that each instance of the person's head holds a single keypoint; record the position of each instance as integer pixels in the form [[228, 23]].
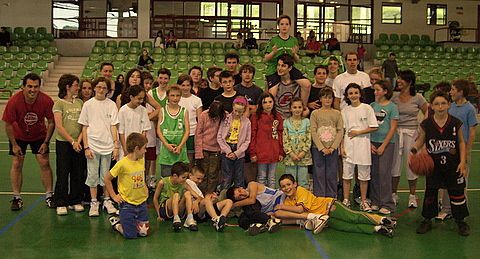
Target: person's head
[[173, 94], [288, 185], [185, 83], [134, 77], [3, 29], [106, 69], [196, 174], [31, 86], [67, 83], [196, 74], [352, 62], [298, 34], [440, 102], [163, 77], [237, 193], [383, 89], [180, 173], [159, 33], [226, 80], [406, 80], [120, 78], [326, 97], [333, 65], [86, 90], [137, 95], [250, 35], [231, 62], [102, 86], [320, 73], [145, 52], [213, 75], [375, 75], [391, 56], [460, 89], [311, 34], [296, 106], [266, 103], [239, 35], [283, 22], [147, 80], [171, 33], [216, 111], [353, 94], [239, 106], [247, 73], [284, 65], [137, 144], [443, 86]]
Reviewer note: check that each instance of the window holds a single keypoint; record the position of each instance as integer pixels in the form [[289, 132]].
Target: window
[[392, 13], [436, 14], [65, 15]]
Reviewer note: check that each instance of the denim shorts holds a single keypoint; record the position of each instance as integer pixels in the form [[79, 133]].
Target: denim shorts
[[97, 168], [134, 219]]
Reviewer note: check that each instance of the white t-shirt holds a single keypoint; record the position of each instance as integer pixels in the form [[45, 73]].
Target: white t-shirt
[[195, 188], [99, 116], [191, 104], [358, 118], [132, 120], [151, 133], [344, 79]]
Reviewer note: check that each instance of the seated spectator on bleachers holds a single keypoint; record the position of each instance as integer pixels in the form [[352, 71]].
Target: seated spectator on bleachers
[[238, 44], [250, 42], [4, 37], [333, 43], [159, 41], [301, 41], [171, 40], [313, 46], [145, 61]]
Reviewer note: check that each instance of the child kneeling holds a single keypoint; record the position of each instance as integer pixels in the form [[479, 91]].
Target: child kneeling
[[132, 191]]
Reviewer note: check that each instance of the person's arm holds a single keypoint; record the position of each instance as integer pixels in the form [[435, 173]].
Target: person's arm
[[154, 104], [461, 168], [194, 194], [88, 151], [114, 132], [186, 134], [270, 55], [109, 186], [287, 145], [313, 129], [306, 148], [123, 143], [420, 142], [199, 137], [296, 209], [340, 132], [50, 130], [156, 197], [198, 112], [390, 134], [253, 138], [243, 147], [11, 136], [252, 198], [118, 101]]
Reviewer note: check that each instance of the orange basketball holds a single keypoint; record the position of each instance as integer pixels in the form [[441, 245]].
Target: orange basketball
[[421, 163]]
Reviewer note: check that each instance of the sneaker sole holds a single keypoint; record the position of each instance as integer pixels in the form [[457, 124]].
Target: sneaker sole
[[275, 228]]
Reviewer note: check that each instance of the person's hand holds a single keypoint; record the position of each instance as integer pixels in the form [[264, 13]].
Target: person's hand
[[373, 149], [294, 50], [331, 150], [171, 147], [117, 198], [177, 150], [280, 158], [77, 147], [253, 159], [353, 133], [88, 153], [294, 156], [232, 156], [344, 153], [301, 155], [314, 105], [43, 148], [274, 49], [115, 154], [462, 169], [326, 151], [17, 151], [380, 150], [159, 218]]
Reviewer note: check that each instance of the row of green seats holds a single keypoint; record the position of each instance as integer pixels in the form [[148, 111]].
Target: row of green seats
[[428, 55], [437, 49], [35, 57], [28, 49], [29, 30], [403, 39], [28, 64], [10, 73]]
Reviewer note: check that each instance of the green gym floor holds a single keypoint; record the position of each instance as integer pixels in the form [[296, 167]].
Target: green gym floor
[[37, 232]]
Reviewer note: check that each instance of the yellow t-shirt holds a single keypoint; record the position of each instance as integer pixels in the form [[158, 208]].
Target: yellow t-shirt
[[131, 183], [309, 202], [232, 137]]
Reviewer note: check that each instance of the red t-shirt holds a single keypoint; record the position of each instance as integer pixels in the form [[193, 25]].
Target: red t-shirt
[[28, 120]]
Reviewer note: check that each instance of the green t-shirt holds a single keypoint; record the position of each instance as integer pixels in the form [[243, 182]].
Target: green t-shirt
[[172, 128], [169, 189], [70, 112], [284, 46]]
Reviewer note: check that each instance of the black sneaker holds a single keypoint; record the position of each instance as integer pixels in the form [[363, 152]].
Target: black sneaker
[[256, 229], [17, 204], [386, 231], [424, 227], [49, 203], [463, 228], [389, 222], [273, 225], [177, 226], [114, 221], [219, 224]]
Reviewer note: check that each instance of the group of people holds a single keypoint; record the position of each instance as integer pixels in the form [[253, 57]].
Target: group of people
[[218, 144]]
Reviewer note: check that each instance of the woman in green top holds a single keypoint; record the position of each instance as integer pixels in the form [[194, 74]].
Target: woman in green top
[[281, 44]]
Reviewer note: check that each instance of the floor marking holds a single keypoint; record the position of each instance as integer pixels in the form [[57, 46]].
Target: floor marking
[[19, 217], [24, 193], [316, 244], [403, 213]]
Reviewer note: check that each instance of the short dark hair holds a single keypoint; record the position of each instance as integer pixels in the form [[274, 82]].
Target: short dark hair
[[287, 59], [33, 77], [386, 86], [247, 67], [64, 81], [320, 67], [231, 55], [333, 58], [135, 140], [195, 67], [392, 54], [326, 91], [284, 16], [179, 168], [103, 79], [296, 99], [225, 74], [198, 169], [356, 86], [409, 77], [351, 53], [182, 78], [439, 94], [146, 75], [230, 194], [211, 72], [462, 85], [443, 86], [135, 90], [216, 110], [286, 176], [106, 64], [164, 71]]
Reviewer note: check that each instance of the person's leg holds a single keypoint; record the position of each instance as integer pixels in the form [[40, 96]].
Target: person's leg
[[143, 225], [227, 172], [397, 162], [385, 180], [375, 187], [76, 178], [105, 161], [283, 214], [250, 172], [430, 203], [224, 206], [16, 177], [46, 171], [262, 173], [364, 178], [412, 178], [173, 205], [128, 221], [348, 172], [239, 178], [330, 169], [341, 212], [458, 204], [271, 170], [319, 173], [64, 167], [345, 226]]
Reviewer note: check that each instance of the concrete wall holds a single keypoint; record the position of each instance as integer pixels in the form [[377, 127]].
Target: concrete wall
[[26, 13]]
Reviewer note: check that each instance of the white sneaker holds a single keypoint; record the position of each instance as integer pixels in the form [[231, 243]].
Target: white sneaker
[[108, 206], [384, 211], [61, 211], [365, 206], [374, 207], [412, 201], [152, 182], [94, 209], [191, 224], [395, 198], [308, 225], [319, 223], [443, 215], [78, 207], [346, 202]]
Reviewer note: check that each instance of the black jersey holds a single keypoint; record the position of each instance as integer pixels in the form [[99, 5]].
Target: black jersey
[[443, 145]]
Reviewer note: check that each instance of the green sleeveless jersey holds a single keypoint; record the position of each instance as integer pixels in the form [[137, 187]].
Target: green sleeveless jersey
[[173, 128], [284, 46], [169, 189], [158, 98]]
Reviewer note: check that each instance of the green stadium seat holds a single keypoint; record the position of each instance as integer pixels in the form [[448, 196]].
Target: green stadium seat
[[461, 50], [42, 30], [87, 73], [257, 59], [121, 50], [15, 64], [118, 65], [449, 50], [156, 66], [395, 48], [217, 51], [26, 49], [134, 50], [43, 65], [469, 50], [195, 59], [182, 58], [8, 56], [20, 57], [384, 48], [129, 65], [3, 65], [119, 57], [170, 58], [182, 67], [22, 72], [428, 49], [39, 50], [169, 65], [38, 36], [207, 64], [182, 51], [30, 30], [182, 44], [194, 45], [254, 52], [3, 82], [207, 58], [417, 48], [415, 37], [262, 46], [157, 57], [107, 57], [89, 65], [306, 60], [325, 53], [147, 44], [52, 50], [3, 49], [112, 43], [207, 51], [29, 65], [229, 45], [93, 56], [170, 51], [13, 49], [108, 50], [100, 44], [394, 37], [136, 44], [158, 51], [8, 72], [243, 52], [124, 44], [245, 60], [18, 30], [43, 43], [206, 45], [217, 45], [195, 51], [219, 59], [132, 57]]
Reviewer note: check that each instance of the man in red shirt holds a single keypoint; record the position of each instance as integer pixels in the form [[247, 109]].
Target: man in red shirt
[[24, 118]]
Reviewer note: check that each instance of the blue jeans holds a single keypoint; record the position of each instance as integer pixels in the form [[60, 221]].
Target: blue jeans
[[325, 170], [300, 173], [266, 174], [134, 219], [232, 170]]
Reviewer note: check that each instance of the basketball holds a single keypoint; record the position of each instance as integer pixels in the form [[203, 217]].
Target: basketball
[[421, 163]]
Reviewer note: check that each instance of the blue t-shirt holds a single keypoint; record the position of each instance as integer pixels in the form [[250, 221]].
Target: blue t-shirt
[[466, 114], [384, 114]]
